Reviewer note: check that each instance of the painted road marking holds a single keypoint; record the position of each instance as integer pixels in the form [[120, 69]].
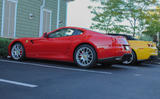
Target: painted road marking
[[127, 67], [18, 83], [56, 67], [157, 63], [138, 75]]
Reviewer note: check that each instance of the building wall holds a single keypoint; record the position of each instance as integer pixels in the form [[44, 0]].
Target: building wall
[[52, 5], [63, 12], [1, 3], [27, 27]]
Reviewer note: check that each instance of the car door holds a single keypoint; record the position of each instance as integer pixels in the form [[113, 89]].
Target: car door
[[57, 44]]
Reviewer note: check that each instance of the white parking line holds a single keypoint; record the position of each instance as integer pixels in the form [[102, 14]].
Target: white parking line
[[56, 67], [137, 75], [18, 83], [157, 63]]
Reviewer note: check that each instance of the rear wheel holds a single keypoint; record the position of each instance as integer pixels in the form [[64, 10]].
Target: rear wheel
[[132, 60], [17, 51], [85, 56]]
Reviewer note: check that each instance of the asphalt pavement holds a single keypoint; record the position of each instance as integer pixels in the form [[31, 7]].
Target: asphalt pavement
[[39, 79]]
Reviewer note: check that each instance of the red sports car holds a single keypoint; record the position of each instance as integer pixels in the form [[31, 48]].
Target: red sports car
[[72, 44]]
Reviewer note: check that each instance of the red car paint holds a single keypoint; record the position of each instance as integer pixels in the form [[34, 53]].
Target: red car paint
[[62, 48]]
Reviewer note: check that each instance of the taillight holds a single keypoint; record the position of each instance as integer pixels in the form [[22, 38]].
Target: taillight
[[150, 45], [126, 47]]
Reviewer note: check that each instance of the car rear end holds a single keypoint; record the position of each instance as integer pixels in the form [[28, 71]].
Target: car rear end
[[119, 49], [146, 50], [153, 50]]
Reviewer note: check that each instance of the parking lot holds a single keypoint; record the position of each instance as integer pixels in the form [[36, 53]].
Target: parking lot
[[38, 79]]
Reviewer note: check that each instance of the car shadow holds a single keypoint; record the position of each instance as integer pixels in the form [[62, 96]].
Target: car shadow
[[72, 65], [50, 62], [142, 65], [109, 68], [115, 67]]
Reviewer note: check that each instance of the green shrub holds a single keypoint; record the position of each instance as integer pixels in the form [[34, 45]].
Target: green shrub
[[4, 42]]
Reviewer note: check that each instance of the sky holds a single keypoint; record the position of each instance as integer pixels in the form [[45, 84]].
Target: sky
[[78, 13]]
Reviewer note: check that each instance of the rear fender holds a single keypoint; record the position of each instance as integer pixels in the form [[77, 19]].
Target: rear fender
[[78, 44]]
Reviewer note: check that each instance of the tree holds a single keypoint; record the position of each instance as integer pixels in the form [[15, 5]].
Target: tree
[[153, 23], [152, 18], [120, 15], [106, 17]]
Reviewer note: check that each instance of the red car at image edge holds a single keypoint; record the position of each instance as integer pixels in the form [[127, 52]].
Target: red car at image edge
[[72, 44]]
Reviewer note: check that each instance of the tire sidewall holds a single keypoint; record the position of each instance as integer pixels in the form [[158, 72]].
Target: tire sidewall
[[92, 64], [134, 58], [23, 52], [134, 61]]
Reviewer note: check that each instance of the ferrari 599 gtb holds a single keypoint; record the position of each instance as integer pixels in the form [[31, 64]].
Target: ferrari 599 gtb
[[72, 44]]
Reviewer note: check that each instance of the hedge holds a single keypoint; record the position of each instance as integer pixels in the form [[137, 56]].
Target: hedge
[[4, 42]]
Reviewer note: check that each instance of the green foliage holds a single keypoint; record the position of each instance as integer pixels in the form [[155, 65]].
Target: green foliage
[[146, 38], [153, 22], [4, 46], [111, 15]]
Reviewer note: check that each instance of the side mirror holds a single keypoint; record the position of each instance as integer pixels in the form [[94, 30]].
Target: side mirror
[[45, 35]]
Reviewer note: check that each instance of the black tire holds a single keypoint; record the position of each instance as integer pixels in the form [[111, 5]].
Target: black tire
[[79, 58], [22, 52], [133, 60]]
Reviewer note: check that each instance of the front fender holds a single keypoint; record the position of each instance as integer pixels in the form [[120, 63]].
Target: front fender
[[13, 42]]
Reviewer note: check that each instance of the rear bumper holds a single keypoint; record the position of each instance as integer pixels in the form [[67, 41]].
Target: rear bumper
[[115, 59], [146, 53], [153, 58]]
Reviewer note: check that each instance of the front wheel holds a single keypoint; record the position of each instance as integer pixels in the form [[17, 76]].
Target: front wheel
[[17, 51], [85, 56]]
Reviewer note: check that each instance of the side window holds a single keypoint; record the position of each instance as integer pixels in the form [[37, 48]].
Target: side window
[[69, 32], [77, 32], [65, 32], [54, 34]]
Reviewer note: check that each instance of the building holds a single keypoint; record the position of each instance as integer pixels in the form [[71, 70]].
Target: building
[[30, 18]]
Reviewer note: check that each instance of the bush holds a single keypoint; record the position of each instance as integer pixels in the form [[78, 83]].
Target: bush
[[4, 42]]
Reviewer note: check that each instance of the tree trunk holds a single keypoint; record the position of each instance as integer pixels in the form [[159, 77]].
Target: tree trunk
[[134, 28], [158, 39]]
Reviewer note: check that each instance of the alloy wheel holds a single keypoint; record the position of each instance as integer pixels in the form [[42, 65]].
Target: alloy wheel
[[84, 56], [17, 51]]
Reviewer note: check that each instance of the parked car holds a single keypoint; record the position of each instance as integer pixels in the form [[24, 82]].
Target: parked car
[[72, 44], [141, 50]]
